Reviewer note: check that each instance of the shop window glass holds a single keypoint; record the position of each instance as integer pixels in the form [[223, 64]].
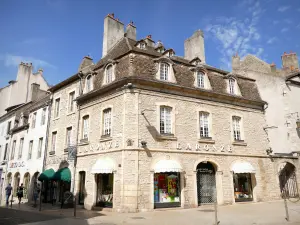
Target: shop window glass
[[167, 187], [242, 187]]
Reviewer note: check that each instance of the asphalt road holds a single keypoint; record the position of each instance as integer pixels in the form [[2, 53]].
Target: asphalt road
[[16, 217]]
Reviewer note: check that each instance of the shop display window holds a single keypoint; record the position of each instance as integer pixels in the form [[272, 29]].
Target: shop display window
[[242, 187], [167, 187]]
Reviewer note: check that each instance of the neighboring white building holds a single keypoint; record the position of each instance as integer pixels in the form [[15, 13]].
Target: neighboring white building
[[18, 91], [280, 88]]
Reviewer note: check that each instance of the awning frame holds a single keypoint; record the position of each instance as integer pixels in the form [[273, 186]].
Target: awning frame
[[167, 165], [242, 167]]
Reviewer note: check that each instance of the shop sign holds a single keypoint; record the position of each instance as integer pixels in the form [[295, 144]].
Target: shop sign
[[204, 147], [17, 164], [100, 146]]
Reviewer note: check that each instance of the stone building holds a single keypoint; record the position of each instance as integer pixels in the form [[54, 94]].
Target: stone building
[[158, 130], [280, 88], [23, 143], [18, 91]]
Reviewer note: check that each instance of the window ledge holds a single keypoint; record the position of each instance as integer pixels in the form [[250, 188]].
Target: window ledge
[[167, 137], [83, 142], [239, 143], [105, 138], [70, 113], [207, 140], [52, 153]]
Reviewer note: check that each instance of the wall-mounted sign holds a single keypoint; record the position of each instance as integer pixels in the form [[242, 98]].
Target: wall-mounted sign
[[99, 146], [16, 164]]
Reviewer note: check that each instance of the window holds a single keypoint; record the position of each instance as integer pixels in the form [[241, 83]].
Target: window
[[89, 83], [204, 124], [142, 45], [85, 133], [5, 152], [13, 148], [68, 136], [57, 102], [71, 101], [164, 71], [39, 154], [109, 71], [43, 120], [236, 121], [30, 150], [200, 79], [231, 86], [8, 127], [53, 141], [107, 122], [165, 120], [21, 148], [33, 120]]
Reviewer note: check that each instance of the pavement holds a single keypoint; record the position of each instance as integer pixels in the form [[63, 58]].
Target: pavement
[[266, 213]]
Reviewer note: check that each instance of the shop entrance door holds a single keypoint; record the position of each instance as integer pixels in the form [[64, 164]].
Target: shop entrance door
[[206, 183], [104, 190]]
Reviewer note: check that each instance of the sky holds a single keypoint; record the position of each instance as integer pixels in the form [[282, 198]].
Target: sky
[[56, 34]]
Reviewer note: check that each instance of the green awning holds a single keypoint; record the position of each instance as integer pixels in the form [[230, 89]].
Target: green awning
[[63, 174], [46, 175]]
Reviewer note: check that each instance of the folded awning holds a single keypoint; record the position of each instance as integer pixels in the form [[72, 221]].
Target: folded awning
[[46, 175], [242, 167], [63, 174], [104, 165], [167, 166]]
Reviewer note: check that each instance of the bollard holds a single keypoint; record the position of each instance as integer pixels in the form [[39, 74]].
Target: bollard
[[216, 213], [74, 199], [11, 201]]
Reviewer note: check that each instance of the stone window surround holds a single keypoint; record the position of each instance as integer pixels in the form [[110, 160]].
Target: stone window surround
[[242, 129], [54, 108], [206, 79], [82, 126], [53, 149], [171, 75], [102, 136], [173, 112], [237, 90], [210, 139], [113, 64], [66, 137]]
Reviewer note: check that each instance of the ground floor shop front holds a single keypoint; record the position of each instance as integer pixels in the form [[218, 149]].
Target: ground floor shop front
[[136, 180]]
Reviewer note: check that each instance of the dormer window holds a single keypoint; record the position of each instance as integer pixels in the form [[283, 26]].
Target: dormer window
[[200, 79], [231, 83], [109, 71], [164, 71], [142, 45], [88, 86]]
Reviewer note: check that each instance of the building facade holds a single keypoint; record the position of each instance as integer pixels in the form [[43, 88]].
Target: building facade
[[153, 130]]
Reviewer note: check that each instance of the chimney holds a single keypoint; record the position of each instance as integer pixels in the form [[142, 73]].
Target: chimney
[[34, 92], [235, 62], [194, 46], [85, 62], [131, 31], [290, 60], [113, 32], [24, 71], [273, 67], [149, 41]]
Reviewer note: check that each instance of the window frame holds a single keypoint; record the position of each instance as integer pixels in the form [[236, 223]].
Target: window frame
[[21, 146], [43, 117], [53, 141], [109, 74], [237, 134], [107, 122], [40, 147], [166, 122], [13, 149], [166, 70], [205, 134], [57, 107], [232, 86], [30, 148], [88, 80], [8, 127], [85, 129], [33, 120], [5, 156], [68, 138], [71, 102], [199, 80]]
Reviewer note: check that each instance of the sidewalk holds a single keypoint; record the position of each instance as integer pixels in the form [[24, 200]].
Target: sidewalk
[[266, 213]]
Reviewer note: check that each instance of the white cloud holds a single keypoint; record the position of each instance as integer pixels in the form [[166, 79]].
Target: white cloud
[[283, 8], [288, 21], [271, 40], [15, 60], [238, 36], [284, 30], [275, 22]]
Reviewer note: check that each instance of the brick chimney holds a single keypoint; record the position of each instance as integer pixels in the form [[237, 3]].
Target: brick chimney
[[194, 46], [290, 61], [113, 32], [131, 31]]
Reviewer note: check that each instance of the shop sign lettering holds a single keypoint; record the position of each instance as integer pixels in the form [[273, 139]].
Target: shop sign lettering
[[93, 147], [204, 147], [16, 164]]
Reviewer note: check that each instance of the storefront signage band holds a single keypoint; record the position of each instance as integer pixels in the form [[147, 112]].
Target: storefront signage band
[[206, 147], [16, 164]]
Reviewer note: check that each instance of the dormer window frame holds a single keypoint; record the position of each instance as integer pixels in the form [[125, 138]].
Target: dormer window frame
[[232, 86], [91, 83], [206, 81], [106, 79], [170, 76]]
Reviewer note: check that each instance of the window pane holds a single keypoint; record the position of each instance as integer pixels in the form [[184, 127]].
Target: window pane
[[200, 79], [40, 148], [231, 86], [164, 70], [204, 124], [107, 122], [57, 102], [13, 150], [30, 149], [43, 120], [236, 128], [33, 120], [68, 136], [85, 127], [53, 141], [71, 101], [165, 120], [109, 74], [89, 83], [21, 148]]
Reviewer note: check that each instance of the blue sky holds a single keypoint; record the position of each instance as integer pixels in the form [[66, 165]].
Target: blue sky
[[56, 34]]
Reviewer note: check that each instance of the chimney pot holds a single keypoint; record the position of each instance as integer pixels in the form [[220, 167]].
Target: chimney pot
[[149, 36]]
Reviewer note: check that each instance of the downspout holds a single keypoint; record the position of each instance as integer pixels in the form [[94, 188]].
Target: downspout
[[47, 133]]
